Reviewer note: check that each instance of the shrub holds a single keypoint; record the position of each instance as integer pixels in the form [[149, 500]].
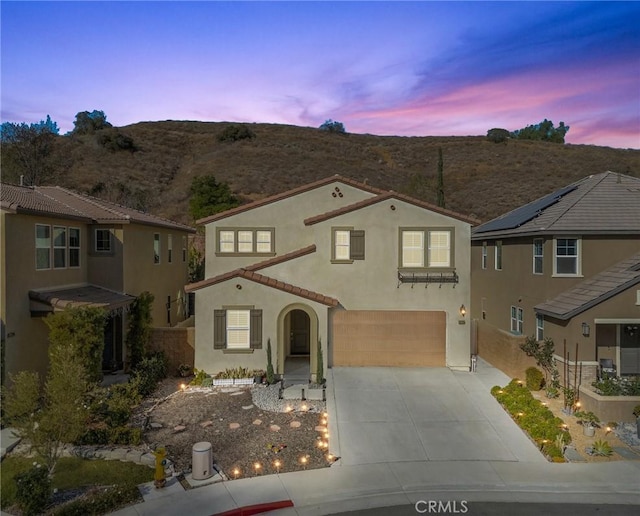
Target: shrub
[[199, 377], [535, 378], [100, 501], [125, 435], [113, 140], [270, 373], [33, 488], [497, 135], [332, 126], [235, 132], [601, 448], [617, 386], [149, 372]]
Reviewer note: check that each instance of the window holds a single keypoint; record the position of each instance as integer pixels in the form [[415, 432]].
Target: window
[[156, 248], [103, 240], [516, 319], [537, 255], [245, 241], [74, 247], [169, 248], [237, 329], [43, 247], [498, 255], [567, 253], [539, 327], [59, 247], [484, 255], [348, 245], [426, 248], [184, 249]]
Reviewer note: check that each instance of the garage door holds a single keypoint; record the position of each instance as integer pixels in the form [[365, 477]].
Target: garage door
[[389, 338]]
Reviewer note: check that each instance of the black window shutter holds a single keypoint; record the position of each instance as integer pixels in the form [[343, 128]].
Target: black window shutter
[[357, 244], [219, 329], [255, 329]]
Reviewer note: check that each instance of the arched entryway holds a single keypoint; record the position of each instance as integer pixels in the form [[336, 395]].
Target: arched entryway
[[297, 342]]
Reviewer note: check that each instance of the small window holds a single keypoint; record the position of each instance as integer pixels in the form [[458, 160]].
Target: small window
[[59, 247], [263, 241], [413, 249], [184, 249], [156, 248], [169, 248], [342, 245], [74, 247], [537, 255], [259, 241], [517, 316], [498, 255], [43, 247], [237, 329], [484, 255], [439, 249], [103, 240], [567, 253], [245, 241], [539, 327], [227, 241]]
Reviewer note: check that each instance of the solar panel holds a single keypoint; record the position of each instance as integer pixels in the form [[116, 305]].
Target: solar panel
[[525, 213]]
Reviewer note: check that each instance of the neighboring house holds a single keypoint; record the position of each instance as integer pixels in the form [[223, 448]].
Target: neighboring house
[[567, 267], [373, 277], [61, 248]]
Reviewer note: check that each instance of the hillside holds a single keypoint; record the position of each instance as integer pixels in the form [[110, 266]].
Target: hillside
[[481, 178]]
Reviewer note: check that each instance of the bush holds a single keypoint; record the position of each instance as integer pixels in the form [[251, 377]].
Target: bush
[[113, 140], [497, 135], [125, 435], [236, 132], [617, 386], [200, 375], [100, 501], [33, 489], [149, 372], [535, 378], [332, 126]]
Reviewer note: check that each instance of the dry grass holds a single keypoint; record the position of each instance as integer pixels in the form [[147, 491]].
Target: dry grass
[[481, 178]]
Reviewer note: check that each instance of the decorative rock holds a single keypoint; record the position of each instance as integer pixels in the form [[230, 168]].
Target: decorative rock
[[237, 393], [148, 459], [320, 428], [179, 428], [155, 426], [247, 407], [257, 422], [205, 424], [274, 428], [295, 424], [133, 456], [234, 426]]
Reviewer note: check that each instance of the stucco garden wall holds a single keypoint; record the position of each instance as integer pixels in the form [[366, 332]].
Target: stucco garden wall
[[178, 345]]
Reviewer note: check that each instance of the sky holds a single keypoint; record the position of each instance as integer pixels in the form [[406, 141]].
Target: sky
[[384, 68]]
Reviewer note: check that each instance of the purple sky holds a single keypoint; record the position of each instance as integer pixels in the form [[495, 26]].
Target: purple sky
[[386, 68]]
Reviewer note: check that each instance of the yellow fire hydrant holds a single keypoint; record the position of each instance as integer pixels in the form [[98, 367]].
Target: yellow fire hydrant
[[159, 479]]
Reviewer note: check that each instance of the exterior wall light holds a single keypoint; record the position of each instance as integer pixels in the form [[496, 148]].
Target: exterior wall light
[[586, 331], [463, 310]]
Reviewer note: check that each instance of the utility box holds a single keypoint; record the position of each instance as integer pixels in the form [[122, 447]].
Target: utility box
[[202, 461]]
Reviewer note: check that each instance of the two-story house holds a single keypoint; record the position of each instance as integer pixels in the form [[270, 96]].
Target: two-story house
[[374, 277], [567, 267], [61, 248]]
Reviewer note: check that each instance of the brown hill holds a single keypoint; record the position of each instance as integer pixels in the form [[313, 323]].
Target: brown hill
[[481, 178]]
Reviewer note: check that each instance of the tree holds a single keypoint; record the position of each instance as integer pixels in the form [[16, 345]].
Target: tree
[[497, 135], [27, 150], [196, 265], [440, 188], [87, 123], [544, 131], [209, 197], [333, 126], [139, 330], [235, 132]]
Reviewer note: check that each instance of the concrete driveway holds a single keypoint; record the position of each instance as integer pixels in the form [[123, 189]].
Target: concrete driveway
[[383, 415]]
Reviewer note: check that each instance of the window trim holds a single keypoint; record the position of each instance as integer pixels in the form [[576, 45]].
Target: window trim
[[334, 244], [426, 239], [48, 247], [540, 256], [169, 248], [578, 256], [254, 241], [75, 248], [498, 254], [63, 247], [539, 327], [157, 252], [517, 320], [484, 256]]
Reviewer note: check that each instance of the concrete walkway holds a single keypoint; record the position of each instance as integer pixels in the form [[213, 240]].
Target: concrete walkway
[[409, 435]]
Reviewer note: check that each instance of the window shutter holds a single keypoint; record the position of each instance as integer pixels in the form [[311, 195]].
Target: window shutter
[[255, 329], [219, 329], [357, 244]]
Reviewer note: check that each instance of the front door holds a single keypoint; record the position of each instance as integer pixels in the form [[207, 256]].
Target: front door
[[300, 333]]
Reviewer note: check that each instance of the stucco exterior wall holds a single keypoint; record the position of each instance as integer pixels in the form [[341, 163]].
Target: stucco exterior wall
[[286, 216]]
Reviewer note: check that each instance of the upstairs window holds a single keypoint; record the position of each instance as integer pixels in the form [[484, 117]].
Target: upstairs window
[[43, 247], [517, 319], [184, 249], [348, 245], [567, 257], [103, 240], [245, 241], [538, 255], [59, 247], [74, 247], [426, 248], [156, 248], [169, 248], [484, 255], [498, 257]]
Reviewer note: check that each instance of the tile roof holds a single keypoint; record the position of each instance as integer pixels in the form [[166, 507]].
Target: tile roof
[[254, 267], [383, 197], [87, 295], [594, 290], [60, 202], [290, 193], [606, 203]]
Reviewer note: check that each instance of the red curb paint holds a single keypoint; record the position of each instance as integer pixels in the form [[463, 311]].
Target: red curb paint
[[250, 510]]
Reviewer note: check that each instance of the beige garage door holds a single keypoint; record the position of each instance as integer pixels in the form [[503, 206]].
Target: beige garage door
[[389, 338]]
